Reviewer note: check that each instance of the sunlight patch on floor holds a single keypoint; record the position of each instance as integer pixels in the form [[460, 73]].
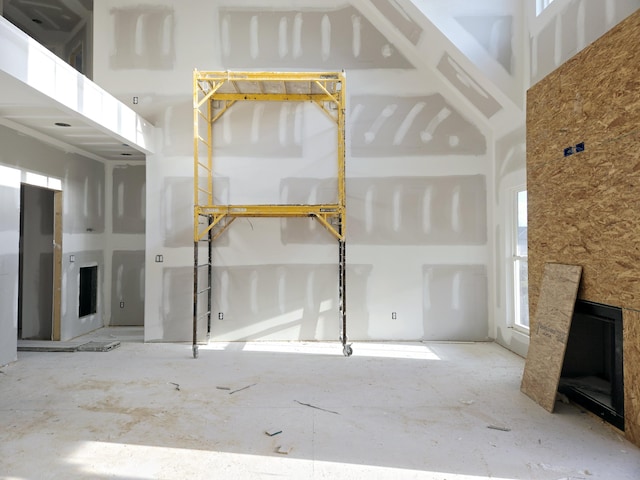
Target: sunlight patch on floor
[[410, 351], [102, 459]]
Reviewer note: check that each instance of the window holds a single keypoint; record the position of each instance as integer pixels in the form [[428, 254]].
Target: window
[[541, 5], [88, 291], [520, 265]]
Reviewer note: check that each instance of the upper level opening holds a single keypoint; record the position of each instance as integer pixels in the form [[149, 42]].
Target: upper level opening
[[63, 26], [541, 5]]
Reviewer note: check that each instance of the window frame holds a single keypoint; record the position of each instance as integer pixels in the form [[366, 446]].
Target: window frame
[[541, 5], [516, 259]]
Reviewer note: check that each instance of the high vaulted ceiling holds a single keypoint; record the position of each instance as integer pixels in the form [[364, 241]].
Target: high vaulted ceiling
[[50, 22]]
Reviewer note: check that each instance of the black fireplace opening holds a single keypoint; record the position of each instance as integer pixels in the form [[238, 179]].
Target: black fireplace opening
[[592, 374]]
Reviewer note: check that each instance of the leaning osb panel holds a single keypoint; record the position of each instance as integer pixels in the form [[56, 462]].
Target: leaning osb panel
[[549, 337], [631, 355], [583, 207]]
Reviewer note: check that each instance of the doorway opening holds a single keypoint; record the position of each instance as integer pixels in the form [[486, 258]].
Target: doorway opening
[[40, 268]]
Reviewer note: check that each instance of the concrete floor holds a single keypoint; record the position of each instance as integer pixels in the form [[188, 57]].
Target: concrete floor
[[391, 411]]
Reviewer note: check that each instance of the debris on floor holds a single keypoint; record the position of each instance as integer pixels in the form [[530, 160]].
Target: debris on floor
[[467, 402], [73, 346], [176, 384], [98, 346], [317, 408], [223, 388], [498, 427], [273, 432], [284, 449], [243, 388]]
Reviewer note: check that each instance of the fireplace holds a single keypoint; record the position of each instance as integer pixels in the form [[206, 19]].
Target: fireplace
[[592, 369]]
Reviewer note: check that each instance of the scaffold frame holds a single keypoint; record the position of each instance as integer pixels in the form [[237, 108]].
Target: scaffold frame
[[214, 93]]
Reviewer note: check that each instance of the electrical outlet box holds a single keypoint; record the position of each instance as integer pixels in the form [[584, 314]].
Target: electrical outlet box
[[394, 315], [121, 304], [220, 316]]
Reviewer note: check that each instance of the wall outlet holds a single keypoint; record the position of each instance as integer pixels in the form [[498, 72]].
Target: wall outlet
[[121, 304], [393, 315], [135, 100], [220, 316], [159, 259]]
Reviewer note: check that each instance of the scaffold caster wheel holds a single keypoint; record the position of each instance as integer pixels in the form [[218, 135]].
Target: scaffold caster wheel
[[195, 351], [347, 350]]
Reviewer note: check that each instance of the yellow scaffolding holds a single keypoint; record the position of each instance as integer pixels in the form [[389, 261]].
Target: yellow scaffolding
[[213, 94]]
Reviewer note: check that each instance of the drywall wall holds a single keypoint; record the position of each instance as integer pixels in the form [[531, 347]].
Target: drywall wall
[[329, 39], [129, 199], [83, 185], [482, 54], [509, 177], [9, 251], [127, 288], [567, 26], [418, 172], [124, 250]]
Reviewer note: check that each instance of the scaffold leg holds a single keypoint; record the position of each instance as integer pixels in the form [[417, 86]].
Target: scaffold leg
[[195, 300], [342, 281], [209, 277]]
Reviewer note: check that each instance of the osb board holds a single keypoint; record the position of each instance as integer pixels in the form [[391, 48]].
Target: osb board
[[583, 208], [631, 358], [548, 340]]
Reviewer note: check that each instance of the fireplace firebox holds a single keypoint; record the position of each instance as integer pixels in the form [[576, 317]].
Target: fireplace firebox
[[592, 372]]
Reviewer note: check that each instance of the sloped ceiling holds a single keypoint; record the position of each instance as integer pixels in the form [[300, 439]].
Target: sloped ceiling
[[471, 46]]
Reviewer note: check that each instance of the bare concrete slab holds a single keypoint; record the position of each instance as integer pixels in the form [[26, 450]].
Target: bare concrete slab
[[393, 410]]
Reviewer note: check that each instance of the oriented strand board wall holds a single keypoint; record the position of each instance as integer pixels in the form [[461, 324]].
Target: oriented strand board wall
[[631, 353], [583, 209], [549, 338]]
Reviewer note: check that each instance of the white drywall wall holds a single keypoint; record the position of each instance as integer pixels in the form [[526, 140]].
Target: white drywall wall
[[423, 158], [9, 250], [567, 26], [82, 183]]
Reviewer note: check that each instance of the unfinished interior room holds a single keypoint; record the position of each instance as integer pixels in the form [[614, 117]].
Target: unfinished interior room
[[320, 239]]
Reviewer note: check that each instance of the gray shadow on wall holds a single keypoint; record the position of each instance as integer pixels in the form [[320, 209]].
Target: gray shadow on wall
[[386, 125], [465, 83], [127, 288], [455, 302], [448, 210], [129, 199], [402, 20], [144, 38], [84, 197], [330, 39]]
